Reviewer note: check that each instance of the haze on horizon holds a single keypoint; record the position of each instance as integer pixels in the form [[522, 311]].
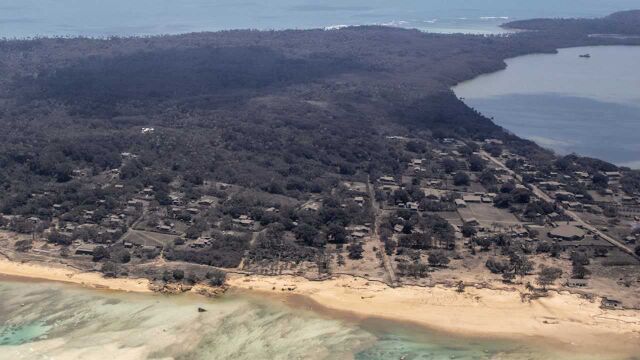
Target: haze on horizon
[[27, 18]]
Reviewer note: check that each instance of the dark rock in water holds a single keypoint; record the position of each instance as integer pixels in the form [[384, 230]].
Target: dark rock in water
[[201, 309]]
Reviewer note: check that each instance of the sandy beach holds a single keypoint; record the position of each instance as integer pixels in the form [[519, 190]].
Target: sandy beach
[[563, 320], [69, 275]]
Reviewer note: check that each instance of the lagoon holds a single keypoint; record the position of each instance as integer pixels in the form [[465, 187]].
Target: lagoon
[[589, 106]]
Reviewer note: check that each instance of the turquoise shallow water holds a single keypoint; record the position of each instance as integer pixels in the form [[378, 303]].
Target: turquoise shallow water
[[56, 321], [20, 334]]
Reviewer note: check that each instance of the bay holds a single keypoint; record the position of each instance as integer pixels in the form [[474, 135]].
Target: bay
[[590, 106]]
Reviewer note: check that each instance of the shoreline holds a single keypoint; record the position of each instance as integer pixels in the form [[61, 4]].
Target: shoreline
[[67, 274], [562, 321]]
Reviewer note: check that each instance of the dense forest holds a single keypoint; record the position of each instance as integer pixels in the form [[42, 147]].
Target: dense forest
[[280, 111]]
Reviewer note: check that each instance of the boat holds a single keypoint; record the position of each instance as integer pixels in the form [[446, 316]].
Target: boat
[[586, 56]]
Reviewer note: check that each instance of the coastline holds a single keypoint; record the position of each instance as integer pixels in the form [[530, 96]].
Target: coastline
[[66, 274], [562, 321]]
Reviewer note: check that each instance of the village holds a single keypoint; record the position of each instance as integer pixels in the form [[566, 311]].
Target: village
[[456, 213]]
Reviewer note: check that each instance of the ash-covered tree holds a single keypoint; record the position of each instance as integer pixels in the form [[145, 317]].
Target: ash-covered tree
[[23, 245], [476, 163], [100, 253], [306, 233], [438, 259], [600, 180], [355, 251], [579, 271], [461, 179], [468, 230], [508, 276], [548, 275], [216, 277]]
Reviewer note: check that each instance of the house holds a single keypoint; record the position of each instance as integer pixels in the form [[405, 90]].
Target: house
[[610, 304], [470, 221], [390, 188], [362, 228], [554, 216], [493, 141], [163, 228], [563, 195], [613, 174], [176, 200], [567, 232], [628, 200], [387, 180], [200, 243], [520, 232], [472, 198], [412, 206], [460, 203], [550, 185], [206, 201], [86, 249], [577, 282], [574, 205], [356, 188], [244, 220], [398, 228], [134, 203], [359, 200]]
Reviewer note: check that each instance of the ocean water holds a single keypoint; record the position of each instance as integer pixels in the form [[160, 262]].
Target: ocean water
[[567, 103], [57, 321], [25, 18]]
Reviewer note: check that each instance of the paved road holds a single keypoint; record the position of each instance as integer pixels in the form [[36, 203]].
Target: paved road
[[574, 216]]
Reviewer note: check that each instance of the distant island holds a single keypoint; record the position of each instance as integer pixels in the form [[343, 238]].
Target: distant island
[[269, 160]]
